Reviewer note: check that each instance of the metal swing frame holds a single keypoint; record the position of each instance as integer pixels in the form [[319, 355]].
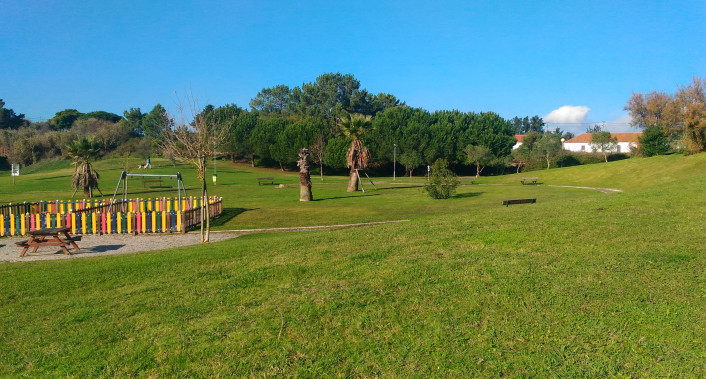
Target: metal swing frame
[[125, 175]]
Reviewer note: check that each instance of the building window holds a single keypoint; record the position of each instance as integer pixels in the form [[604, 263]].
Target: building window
[[583, 147], [618, 148]]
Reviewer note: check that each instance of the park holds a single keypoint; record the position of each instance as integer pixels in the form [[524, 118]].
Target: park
[[580, 283], [255, 189]]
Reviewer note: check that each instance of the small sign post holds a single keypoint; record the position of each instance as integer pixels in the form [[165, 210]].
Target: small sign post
[[15, 171]]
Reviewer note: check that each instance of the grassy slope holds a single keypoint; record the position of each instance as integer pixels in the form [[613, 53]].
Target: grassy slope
[[579, 284]]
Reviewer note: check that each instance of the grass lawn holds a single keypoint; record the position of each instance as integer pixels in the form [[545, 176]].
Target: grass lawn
[[579, 284]]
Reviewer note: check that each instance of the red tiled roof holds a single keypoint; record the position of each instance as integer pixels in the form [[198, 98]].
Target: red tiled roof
[[519, 137], [621, 137]]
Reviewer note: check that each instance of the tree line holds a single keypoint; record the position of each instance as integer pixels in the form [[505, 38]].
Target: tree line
[[280, 120]]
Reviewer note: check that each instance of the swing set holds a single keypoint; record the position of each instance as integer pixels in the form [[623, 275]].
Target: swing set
[[124, 180]]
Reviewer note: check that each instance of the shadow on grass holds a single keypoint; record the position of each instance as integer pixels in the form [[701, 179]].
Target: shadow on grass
[[346, 197], [467, 194], [400, 187], [57, 177], [229, 214], [104, 248]]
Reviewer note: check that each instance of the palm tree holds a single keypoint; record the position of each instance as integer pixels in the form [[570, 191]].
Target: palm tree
[[358, 155], [81, 151]]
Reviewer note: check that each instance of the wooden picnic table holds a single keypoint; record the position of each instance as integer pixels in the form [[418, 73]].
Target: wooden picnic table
[[49, 237]]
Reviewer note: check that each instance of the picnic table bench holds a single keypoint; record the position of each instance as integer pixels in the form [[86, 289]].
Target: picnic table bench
[[529, 180], [145, 181], [519, 201], [261, 181], [57, 237]]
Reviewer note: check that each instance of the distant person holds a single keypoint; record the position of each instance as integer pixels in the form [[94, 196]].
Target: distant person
[[148, 164]]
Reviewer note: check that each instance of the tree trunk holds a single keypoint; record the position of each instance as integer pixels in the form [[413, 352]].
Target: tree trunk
[[281, 167], [321, 170], [478, 169], [352, 181], [205, 226], [252, 161], [304, 176]]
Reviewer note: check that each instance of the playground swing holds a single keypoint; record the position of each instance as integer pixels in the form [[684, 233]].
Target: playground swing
[[124, 179]]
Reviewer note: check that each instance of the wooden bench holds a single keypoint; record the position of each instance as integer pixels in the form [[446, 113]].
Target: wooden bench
[[261, 181], [529, 180], [145, 181], [519, 201]]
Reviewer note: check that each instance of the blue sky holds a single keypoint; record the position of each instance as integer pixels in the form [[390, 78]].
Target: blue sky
[[516, 58]]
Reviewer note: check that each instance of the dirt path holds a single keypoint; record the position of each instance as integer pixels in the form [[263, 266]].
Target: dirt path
[[604, 190], [113, 244]]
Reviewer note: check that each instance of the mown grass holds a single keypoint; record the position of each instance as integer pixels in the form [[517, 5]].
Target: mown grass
[[579, 284]]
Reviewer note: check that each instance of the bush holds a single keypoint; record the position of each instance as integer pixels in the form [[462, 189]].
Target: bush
[[442, 181], [653, 141]]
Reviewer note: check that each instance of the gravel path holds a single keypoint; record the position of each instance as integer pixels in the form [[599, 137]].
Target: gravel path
[[113, 244], [604, 190], [95, 246]]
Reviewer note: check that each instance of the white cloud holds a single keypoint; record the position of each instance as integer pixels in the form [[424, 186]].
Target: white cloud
[[570, 114]]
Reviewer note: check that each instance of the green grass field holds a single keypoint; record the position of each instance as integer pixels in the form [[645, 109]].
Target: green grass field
[[581, 283]]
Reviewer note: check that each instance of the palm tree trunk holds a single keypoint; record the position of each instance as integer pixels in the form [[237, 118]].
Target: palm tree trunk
[[353, 181]]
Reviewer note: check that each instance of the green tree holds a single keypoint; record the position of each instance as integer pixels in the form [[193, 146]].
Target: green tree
[[82, 151], [156, 122], [548, 147], [479, 156], [264, 136], [101, 115], [603, 141], [526, 124], [528, 150], [653, 141], [410, 159], [276, 100], [329, 97], [442, 181], [64, 119], [10, 120], [133, 121], [240, 142]]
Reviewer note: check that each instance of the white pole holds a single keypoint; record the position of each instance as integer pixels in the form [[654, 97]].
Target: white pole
[[394, 161]]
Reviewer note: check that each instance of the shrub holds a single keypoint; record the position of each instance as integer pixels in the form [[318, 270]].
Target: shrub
[[653, 141], [442, 181]]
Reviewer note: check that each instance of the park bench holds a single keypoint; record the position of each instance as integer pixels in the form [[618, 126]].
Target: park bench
[[529, 180], [261, 181], [519, 201], [146, 181]]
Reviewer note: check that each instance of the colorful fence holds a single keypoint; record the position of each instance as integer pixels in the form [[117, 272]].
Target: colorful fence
[[133, 216]]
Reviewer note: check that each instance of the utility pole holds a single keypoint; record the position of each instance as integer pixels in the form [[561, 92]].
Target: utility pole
[[394, 161]]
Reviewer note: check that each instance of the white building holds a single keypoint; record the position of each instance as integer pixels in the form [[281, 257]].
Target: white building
[[582, 143], [518, 140]]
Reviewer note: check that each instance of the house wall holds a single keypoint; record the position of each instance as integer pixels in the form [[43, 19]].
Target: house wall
[[623, 147]]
